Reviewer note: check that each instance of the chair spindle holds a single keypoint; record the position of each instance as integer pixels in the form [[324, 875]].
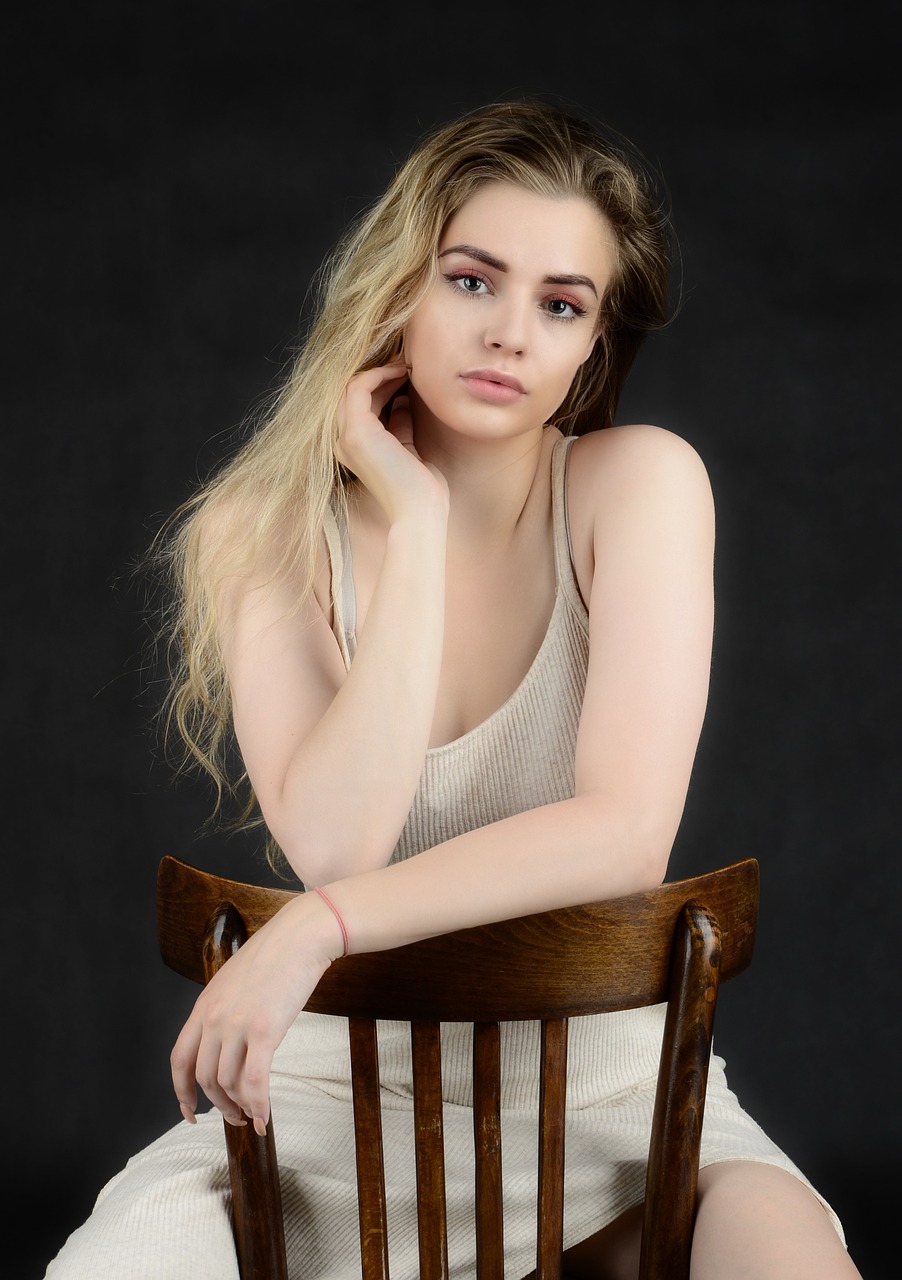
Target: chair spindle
[[552, 1115], [368, 1137], [432, 1224], [487, 1140]]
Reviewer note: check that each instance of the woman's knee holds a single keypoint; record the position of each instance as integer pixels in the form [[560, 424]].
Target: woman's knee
[[761, 1220], [150, 1222]]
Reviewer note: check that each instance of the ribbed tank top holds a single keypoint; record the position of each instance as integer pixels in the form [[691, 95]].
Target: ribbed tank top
[[522, 755]]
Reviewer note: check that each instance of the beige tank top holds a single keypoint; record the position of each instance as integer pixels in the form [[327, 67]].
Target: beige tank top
[[522, 756]]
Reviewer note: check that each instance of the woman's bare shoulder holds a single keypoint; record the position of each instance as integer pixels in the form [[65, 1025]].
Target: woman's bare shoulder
[[634, 448], [629, 477], [640, 462]]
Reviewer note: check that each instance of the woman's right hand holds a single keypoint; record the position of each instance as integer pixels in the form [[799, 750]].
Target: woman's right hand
[[384, 457], [243, 1013]]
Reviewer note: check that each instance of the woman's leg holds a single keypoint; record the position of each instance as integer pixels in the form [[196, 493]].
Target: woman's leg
[[758, 1222], [755, 1222], [165, 1215]]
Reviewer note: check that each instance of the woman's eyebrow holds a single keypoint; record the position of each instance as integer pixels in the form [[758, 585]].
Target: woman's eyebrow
[[471, 251], [480, 255], [572, 279]]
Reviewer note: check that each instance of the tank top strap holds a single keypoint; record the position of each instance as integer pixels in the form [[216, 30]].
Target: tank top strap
[[565, 573], [344, 599]]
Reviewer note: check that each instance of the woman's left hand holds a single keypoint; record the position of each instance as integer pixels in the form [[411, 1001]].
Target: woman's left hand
[[242, 1015]]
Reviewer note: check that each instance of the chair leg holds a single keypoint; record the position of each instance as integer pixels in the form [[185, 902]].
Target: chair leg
[[257, 1221], [672, 1180]]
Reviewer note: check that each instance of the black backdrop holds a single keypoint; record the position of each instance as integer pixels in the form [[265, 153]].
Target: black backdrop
[[174, 174]]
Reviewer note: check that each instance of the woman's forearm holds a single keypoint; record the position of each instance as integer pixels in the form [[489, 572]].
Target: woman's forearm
[[350, 783], [579, 850]]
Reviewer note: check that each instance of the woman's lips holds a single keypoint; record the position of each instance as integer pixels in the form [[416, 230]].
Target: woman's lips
[[488, 384]]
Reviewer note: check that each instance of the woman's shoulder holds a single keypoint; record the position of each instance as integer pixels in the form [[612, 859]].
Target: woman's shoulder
[[639, 475], [635, 446], [635, 462]]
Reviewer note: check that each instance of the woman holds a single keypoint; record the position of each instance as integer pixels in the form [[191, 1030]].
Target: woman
[[447, 617]]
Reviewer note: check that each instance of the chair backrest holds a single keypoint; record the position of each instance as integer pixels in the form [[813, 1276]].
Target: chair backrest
[[675, 943]]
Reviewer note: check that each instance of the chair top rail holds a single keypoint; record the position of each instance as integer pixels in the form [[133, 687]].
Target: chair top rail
[[595, 958]]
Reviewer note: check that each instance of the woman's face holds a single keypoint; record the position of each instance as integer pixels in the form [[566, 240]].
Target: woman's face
[[497, 341]]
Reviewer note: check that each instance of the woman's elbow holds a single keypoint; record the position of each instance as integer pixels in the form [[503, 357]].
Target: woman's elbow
[[320, 856], [654, 837], [639, 838]]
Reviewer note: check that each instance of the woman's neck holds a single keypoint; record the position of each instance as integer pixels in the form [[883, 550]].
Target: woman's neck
[[490, 482]]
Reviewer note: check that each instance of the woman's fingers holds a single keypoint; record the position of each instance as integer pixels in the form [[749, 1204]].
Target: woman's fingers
[[220, 1072], [234, 1078], [384, 391], [400, 421], [243, 1074], [397, 478], [202, 1057], [181, 1062], [369, 392], [257, 1066]]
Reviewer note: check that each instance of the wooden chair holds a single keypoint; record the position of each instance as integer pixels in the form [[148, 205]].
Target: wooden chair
[[674, 943]]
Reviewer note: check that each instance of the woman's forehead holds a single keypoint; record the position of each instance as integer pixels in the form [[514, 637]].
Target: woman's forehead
[[525, 230]]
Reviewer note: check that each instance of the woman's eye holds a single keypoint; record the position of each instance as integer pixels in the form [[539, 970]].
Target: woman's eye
[[466, 282], [565, 308]]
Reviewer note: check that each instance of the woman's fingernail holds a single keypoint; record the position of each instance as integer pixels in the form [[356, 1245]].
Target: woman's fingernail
[[259, 1127], [187, 1113]]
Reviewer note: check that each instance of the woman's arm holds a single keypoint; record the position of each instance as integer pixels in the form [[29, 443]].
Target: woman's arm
[[642, 520], [643, 525], [335, 758]]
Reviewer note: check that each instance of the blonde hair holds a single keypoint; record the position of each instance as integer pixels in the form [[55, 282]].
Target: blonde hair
[[269, 502]]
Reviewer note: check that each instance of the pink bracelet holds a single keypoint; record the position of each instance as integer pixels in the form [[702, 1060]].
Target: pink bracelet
[[341, 924]]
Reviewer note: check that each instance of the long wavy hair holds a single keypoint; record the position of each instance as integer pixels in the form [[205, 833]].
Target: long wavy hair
[[269, 500]]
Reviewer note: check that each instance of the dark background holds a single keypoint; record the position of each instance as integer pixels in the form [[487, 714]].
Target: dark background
[[174, 175]]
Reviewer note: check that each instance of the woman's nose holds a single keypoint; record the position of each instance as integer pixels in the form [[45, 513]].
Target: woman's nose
[[508, 328]]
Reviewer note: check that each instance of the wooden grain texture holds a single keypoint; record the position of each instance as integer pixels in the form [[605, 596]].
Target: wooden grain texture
[[488, 1149], [429, 1147], [368, 1141], [588, 959], [552, 1113], [675, 943], [672, 1175], [257, 1217]]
